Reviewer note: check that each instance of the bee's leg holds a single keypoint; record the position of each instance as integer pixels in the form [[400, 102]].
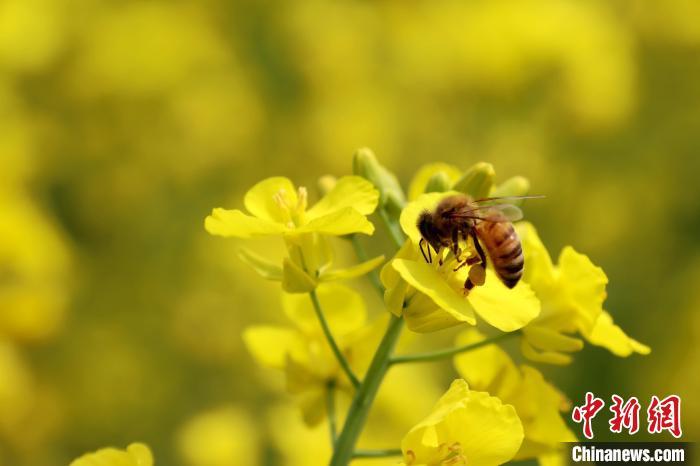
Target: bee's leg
[[420, 245], [468, 285], [455, 244], [469, 261], [478, 248], [462, 264]]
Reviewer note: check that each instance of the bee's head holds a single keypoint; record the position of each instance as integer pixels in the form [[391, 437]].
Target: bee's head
[[428, 230]]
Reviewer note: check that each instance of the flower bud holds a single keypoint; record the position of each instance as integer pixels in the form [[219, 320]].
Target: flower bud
[[438, 183], [365, 164], [515, 186], [476, 181]]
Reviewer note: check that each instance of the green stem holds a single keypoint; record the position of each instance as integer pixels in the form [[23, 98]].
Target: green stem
[[331, 341], [365, 394], [393, 228], [362, 256], [447, 352], [377, 453], [330, 409]]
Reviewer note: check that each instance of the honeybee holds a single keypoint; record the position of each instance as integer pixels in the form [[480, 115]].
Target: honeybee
[[488, 223]]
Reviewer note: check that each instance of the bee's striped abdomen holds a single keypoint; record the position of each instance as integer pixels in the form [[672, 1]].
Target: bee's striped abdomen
[[504, 249]]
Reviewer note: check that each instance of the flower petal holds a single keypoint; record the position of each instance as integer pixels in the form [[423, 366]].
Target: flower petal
[[353, 271], [136, 454], [488, 368], [539, 404], [395, 288], [234, 223], [395, 296], [343, 309], [539, 270], [262, 266], [349, 191], [141, 453], [428, 281], [270, 345], [547, 339], [313, 406], [260, 199], [424, 173], [547, 357], [424, 316], [608, 335], [339, 222], [388, 275], [488, 431], [585, 287], [506, 309]]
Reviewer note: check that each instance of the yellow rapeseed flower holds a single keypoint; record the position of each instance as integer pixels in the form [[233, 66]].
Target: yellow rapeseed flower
[[465, 428], [572, 295], [136, 454], [276, 208], [302, 351], [432, 297], [538, 403]]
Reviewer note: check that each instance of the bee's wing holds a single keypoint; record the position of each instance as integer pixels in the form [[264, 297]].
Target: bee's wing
[[503, 199], [508, 213]]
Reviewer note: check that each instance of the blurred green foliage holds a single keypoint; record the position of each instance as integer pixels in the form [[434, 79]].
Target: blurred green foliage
[[123, 123]]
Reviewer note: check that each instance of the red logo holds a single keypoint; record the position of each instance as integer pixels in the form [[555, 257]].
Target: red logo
[[665, 415], [662, 415], [624, 415], [587, 412]]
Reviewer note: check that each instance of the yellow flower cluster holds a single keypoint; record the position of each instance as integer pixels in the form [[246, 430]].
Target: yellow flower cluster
[[537, 402], [572, 295], [499, 411]]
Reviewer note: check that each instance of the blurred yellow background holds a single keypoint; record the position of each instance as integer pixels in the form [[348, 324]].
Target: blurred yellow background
[[123, 123]]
